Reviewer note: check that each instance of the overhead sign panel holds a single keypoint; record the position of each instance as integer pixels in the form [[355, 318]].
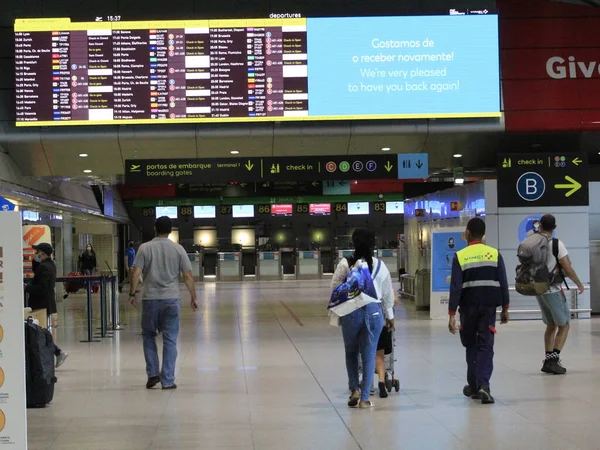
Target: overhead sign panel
[[536, 179], [336, 187], [256, 70], [248, 189], [413, 166], [6, 205], [195, 171]]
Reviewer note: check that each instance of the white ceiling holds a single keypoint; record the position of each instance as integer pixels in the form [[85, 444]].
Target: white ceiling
[[54, 151]]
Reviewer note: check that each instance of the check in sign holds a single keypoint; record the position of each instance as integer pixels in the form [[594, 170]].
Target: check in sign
[[542, 180]]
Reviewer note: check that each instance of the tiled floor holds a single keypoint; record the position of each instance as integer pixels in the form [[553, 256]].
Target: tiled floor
[[260, 368]]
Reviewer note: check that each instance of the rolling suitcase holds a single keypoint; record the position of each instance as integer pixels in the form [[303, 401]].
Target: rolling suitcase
[[71, 287], [39, 365]]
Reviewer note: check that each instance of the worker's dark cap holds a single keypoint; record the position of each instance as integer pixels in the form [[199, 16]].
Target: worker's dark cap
[[45, 248]]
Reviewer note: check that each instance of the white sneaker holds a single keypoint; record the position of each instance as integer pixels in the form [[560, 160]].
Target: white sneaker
[[60, 359]]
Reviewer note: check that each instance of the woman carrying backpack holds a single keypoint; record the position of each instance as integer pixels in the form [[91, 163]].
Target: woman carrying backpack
[[362, 326]]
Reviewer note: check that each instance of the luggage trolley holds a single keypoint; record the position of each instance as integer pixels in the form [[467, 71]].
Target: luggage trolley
[[390, 381]]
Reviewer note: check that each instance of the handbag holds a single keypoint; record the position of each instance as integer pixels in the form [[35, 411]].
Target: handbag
[[356, 292]]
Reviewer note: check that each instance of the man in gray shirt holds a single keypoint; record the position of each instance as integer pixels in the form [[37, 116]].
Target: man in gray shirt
[[160, 261]]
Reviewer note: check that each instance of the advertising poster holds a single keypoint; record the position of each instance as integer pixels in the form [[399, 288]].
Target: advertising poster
[[445, 243], [32, 235], [528, 226], [13, 418]]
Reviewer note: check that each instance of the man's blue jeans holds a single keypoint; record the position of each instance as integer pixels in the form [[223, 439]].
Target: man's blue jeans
[[161, 316], [361, 330]]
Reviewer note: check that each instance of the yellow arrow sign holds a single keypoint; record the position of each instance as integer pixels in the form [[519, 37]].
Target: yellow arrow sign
[[389, 166], [249, 166], [573, 185], [577, 161]]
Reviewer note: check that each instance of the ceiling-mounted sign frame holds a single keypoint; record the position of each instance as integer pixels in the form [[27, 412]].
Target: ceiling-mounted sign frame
[[310, 168], [543, 179]]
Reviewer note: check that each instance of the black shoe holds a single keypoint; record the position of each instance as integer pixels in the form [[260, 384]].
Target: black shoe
[[152, 381], [546, 366], [554, 367], [470, 392], [169, 388], [485, 396], [383, 393]]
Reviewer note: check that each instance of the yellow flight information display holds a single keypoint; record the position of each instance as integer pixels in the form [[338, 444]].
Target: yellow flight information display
[[345, 68]]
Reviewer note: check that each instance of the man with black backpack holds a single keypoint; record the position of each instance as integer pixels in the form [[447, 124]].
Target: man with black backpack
[[553, 303]]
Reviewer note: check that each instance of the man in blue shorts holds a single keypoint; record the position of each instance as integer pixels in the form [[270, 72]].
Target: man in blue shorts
[[554, 304]]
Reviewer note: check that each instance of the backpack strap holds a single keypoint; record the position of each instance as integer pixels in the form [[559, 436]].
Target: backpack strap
[[558, 265]]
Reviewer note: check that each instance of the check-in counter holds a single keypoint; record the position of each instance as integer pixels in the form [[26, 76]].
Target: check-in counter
[[196, 260], [209, 263], [269, 266], [288, 261], [391, 259], [328, 260], [309, 265], [229, 266]]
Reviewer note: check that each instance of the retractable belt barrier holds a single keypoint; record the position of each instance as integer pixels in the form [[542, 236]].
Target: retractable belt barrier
[[104, 281]]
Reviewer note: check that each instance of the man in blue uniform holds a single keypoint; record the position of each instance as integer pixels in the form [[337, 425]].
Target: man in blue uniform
[[478, 286]]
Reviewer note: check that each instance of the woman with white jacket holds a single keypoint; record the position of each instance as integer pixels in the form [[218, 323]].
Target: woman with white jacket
[[362, 327]]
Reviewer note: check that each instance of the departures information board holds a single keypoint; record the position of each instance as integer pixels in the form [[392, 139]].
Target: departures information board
[[102, 73]]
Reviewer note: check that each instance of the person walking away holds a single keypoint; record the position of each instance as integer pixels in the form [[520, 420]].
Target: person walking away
[[41, 290], [129, 260], [478, 286], [161, 261], [87, 260], [362, 327], [553, 303], [130, 254]]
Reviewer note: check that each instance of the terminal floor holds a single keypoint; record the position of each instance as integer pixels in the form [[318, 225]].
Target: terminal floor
[[260, 368]]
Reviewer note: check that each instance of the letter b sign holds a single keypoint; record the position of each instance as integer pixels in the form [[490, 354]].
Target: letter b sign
[[531, 186]]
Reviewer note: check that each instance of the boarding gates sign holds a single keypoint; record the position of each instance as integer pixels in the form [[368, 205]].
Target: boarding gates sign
[[13, 418], [542, 179]]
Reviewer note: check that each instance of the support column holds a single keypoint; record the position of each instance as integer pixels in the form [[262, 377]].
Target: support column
[[67, 244]]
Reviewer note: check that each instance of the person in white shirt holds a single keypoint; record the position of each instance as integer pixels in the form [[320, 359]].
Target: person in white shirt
[[554, 305], [362, 328]]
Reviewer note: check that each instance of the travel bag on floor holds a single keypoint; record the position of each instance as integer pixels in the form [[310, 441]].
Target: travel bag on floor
[[71, 287], [39, 365]]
